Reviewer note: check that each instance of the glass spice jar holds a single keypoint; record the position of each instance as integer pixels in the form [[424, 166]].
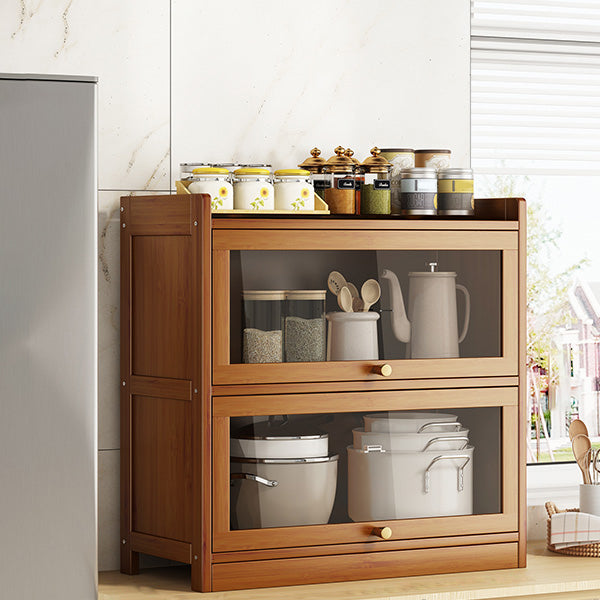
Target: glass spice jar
[[340, 196], [314, 165], [215, 182], [358, 179], [376, 192], [253, 189], [293, 190]]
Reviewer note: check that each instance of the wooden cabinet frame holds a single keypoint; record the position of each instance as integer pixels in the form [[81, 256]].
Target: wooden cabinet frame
[[178, 393]]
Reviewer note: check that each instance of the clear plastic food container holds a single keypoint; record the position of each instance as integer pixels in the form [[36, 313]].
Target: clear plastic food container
[[305, 326]]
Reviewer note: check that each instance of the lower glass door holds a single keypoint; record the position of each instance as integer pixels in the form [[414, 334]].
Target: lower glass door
[[322, 471]]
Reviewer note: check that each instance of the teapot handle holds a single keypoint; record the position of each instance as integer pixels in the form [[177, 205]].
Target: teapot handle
[[465, 291]]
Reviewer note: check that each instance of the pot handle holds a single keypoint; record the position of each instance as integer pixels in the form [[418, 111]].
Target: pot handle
[[460, 483], [257, 478], [427, 426], [465, 291], [447, 439]]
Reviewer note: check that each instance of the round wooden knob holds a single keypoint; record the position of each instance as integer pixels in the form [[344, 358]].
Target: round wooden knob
[[383, 370], [385, 533]]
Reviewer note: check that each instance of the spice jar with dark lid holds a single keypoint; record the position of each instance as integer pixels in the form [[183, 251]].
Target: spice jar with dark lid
[[376, 193], [314, 165], [340, 196]]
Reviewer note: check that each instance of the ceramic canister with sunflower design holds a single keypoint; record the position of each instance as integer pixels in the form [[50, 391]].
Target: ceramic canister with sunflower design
[[213, 181], [252, 189], [293, 190]]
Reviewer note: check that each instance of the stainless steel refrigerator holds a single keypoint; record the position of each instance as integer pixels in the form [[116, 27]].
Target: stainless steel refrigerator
[[48, 333]]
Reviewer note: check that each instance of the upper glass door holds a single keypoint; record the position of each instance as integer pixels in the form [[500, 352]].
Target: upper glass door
[[286, 314]]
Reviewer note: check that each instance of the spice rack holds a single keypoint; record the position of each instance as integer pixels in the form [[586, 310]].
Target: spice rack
[[186, 390]]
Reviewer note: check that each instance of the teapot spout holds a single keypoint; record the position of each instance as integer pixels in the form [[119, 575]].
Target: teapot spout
[[400, 322]]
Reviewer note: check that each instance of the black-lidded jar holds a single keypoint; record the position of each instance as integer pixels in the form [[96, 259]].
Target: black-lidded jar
[[455, 192], [418, 191]]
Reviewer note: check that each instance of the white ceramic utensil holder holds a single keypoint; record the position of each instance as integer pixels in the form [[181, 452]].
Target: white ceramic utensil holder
[[352, 336], [589, 499]]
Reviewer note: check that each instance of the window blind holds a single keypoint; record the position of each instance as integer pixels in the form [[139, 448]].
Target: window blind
[[535, 87]]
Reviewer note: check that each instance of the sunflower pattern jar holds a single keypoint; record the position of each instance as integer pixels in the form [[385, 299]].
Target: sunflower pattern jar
[[252, 189], [293, 190], [215, 182]]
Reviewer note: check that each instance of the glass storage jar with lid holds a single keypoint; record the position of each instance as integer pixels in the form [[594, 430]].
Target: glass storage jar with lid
[[253, 189], [262, 335], [358, 179], [305, 326], [314, 165], [293, 190], [376, 189], [213, 181], [340, 195]]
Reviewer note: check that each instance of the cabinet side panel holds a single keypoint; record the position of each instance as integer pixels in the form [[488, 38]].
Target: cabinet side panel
[[162, 467], [161, 324]]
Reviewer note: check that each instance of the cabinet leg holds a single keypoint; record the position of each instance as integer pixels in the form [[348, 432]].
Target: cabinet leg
[[130, 561]]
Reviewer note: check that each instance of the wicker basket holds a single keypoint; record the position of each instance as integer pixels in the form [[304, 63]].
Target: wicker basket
[[589, 550]]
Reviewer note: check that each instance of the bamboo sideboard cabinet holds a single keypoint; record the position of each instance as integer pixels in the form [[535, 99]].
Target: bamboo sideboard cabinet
[[192, 385]]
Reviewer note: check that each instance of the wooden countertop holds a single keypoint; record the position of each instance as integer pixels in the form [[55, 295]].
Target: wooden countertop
[[548, 576]]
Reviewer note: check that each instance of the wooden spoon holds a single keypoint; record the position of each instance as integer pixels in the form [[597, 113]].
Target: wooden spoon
[[345, 299], [577, 427], [357, 304], [352, 289], [335, 282], [582, 447], [370, 292]]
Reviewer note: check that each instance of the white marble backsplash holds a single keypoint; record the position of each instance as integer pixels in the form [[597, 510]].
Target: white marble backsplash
[[124, 44], [265, 84], [261, 81]]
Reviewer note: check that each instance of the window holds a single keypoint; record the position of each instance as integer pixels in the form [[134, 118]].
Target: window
[[536, 133]]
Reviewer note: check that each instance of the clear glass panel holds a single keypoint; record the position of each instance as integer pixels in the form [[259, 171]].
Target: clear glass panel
[[433, 304], [340, 468]]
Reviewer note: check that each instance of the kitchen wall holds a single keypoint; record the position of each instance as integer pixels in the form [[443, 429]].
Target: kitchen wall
[[203, 80]]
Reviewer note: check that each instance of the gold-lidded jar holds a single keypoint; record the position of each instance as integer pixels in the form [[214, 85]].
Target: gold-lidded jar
[[340, 195], [376, 188], [314, 165], [357, 179]]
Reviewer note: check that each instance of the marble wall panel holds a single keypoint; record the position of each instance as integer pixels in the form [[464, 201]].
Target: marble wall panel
[[262, 82], [125, 44]]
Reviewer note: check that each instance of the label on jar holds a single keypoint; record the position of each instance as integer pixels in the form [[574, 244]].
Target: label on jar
[[462, 203], [382, 184], [424, 202], [345, 184], [321, 185]]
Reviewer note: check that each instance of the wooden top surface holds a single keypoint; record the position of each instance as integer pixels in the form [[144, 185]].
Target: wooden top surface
[[547, 576]]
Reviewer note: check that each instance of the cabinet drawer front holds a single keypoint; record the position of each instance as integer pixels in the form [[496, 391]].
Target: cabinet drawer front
[[465, 482]]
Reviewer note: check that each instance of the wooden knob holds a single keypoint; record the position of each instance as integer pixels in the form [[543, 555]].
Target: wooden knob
[[385, 533], [383, 370]]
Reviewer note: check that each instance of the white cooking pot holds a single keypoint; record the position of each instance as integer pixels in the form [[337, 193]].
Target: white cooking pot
[[283, 492], [406, 421], [412, 442], [278, 438], [405, 485]]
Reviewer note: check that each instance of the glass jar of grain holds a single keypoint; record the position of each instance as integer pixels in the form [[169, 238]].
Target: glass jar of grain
[[376, 192], [262, 335], [340, 196], [304, 326]]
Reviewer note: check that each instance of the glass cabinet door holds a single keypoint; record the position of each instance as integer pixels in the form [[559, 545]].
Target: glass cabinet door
[[280, 478], [287, 308]]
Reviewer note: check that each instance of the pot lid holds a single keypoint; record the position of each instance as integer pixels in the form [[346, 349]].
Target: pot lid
[[376, 163], [279, 429], [287, 461], [313, 163], [432, 271], [339, 163]]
